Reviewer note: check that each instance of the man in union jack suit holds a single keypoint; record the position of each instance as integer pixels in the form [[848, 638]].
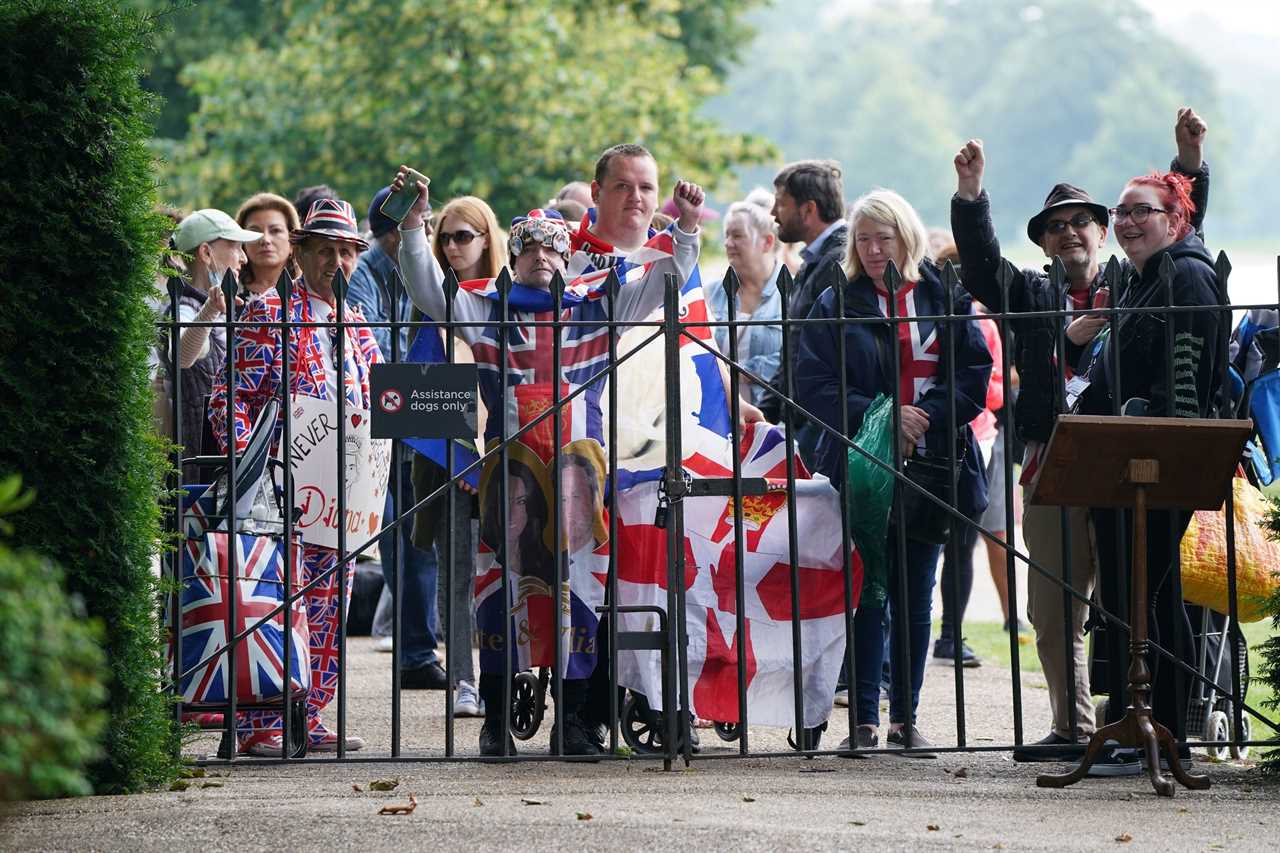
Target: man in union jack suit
[[519, 540], [327, 242]]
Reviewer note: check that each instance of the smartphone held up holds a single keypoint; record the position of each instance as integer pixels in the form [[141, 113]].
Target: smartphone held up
[[398, 204]]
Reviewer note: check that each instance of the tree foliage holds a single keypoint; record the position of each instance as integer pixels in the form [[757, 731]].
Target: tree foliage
[[505, 101], [77, 202], [1078, 90]]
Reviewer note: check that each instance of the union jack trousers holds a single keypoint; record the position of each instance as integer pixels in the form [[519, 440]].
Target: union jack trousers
[[259, 378]]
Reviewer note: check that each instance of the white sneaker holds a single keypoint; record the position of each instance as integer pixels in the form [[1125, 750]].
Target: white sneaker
[[384, 644], [842, 698], [467, 702]]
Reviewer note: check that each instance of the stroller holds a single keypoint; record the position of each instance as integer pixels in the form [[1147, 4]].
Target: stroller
[[198, 643]]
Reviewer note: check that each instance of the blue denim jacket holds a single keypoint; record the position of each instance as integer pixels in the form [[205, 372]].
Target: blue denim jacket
[[375, 271], [763, 355]]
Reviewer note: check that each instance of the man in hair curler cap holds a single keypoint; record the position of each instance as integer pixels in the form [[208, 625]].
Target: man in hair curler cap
[[519, 540]]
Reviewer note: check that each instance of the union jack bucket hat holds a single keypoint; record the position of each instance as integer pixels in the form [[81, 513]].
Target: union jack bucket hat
[[331, 218]]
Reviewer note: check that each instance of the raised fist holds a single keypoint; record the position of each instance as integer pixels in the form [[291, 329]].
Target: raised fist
[[688, 198], [970, 163], [1188, 133]]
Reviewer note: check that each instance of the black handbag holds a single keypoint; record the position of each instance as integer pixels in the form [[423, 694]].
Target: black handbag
[[924, 520]]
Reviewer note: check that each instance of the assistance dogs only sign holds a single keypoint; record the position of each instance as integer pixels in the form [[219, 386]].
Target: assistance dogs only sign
[[424, 400]]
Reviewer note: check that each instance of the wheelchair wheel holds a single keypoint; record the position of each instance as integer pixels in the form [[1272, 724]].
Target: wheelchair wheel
[[527, 705], [728, 732], [642, 729], [1216, 727], [645, 730], [1239, 752]]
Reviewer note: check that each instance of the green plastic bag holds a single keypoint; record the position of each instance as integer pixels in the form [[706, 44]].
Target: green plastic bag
[[869, 497]]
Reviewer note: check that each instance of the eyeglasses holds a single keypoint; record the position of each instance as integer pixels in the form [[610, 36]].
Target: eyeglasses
[[1138, 213], [1057, 226], [462, 238]]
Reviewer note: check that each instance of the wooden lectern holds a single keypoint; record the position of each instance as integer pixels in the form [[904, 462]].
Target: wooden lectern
[[1143, 464]]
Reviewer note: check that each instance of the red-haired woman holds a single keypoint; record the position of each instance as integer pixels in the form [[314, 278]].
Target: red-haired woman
[[1152, 223]]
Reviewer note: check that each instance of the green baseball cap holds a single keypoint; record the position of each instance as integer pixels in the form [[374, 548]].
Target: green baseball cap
[[207, 225]]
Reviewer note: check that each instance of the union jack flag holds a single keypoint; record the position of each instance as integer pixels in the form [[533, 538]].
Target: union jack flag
[[918, 345], [260, 587]]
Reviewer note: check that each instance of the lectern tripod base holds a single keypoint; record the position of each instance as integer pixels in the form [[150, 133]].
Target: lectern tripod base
[[1127, 459], [1136, 729]]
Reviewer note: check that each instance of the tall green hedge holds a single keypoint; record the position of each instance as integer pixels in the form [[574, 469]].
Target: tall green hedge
[[78, 247]]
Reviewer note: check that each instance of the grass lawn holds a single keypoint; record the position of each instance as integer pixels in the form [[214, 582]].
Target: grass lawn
[[990, 642]]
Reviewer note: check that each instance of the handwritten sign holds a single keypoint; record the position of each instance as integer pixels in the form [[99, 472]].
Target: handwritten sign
[[314, 459]]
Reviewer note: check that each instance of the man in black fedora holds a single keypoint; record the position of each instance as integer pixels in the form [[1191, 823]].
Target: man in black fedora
[[1073, 227]]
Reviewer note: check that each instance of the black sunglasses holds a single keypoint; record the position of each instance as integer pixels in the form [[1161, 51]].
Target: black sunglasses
[[462, 238], [1057, 226]]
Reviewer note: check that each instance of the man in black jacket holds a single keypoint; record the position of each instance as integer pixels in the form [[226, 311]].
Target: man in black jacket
[[1073, 227], [809, 208]]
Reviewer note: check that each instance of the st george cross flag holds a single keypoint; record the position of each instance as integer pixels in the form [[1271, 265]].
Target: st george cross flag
[[709, 579], [260, 569]]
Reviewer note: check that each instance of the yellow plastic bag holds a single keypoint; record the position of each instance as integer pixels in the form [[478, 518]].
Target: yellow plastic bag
[[1204, 556]]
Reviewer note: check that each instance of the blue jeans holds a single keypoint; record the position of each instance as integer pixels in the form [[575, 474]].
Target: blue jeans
[[869, 635], [418, 611]]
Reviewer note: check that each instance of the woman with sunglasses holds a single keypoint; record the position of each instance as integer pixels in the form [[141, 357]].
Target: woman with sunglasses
[[468, 240], [1153, 224]]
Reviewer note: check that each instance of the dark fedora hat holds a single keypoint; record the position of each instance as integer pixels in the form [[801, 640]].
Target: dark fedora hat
[[1064, 195]]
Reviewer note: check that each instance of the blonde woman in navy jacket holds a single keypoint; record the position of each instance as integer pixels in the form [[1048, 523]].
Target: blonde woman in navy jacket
[[884, 228]]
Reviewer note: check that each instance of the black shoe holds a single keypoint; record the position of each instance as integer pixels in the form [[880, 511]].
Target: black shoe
[[426, 677], [1117, 761], [577, 736], [1054, 747], [491, 739], [919, 745], [944, 649], [1184, 756]]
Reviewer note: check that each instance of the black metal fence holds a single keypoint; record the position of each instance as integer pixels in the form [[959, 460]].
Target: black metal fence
[[667, 737]]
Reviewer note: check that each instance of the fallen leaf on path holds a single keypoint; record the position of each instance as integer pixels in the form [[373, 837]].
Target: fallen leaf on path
[[1124, 838], [857, 823], [962, 773], [933, 827], [211, 785], [384, 784], [357, 789], [528, 801], [747, 799], [413, 804], [478, 802], [584, 815]]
